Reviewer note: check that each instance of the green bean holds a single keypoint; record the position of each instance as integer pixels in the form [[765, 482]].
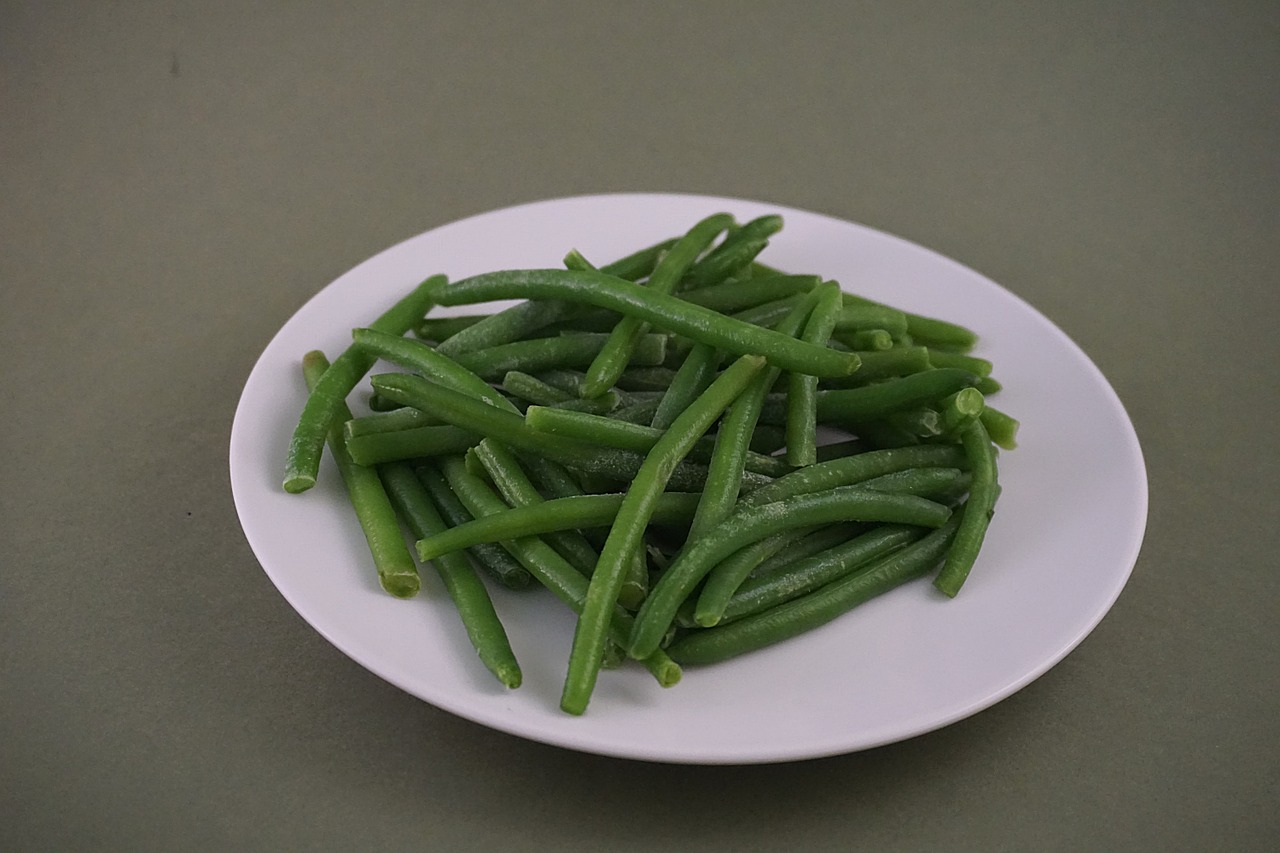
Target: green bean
[[327, 399], [623, 435], [510, 429], [768, 314], [413, 443], [396, 570], [691, 379], [960, 409], [535, 354], [805, 574], [514, 323], [920, 422], [816, 608], [856, 317], [1002, 428], [549, 567], [987, 385], [733, 296], [640, 413], [641, 379], [859, 405], [927, 330], [738, 250], [616, 354], [401, 417], [975, 514], [440, 329], [851, 470], [740, 424], [885, 364], [534, 390], [814, 540], [490, 557], [379, 404], [668, 313], [802, 397], [865, 340], [468, 593], [971, 363], [752, 523], [626, 535], [431, 363], [633, 267], [517, 489], [927, 482]]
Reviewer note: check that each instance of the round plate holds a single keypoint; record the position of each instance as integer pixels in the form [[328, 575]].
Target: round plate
[[1060, 548]]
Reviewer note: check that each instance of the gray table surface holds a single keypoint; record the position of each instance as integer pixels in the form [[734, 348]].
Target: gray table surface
[[176, 179]]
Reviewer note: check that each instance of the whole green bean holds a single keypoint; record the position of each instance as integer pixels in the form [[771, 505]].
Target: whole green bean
[[468, 593], [668, 313], [752, 523], [626, 535], [616, 354], [1002, 428], [396, 570], [975, 514], [816, 608], [327, 399]]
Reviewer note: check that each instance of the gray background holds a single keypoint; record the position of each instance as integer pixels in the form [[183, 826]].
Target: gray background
[[177, 178]]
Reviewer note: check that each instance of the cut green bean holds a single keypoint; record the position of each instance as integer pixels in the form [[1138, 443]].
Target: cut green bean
[[738, 250], [465, 589], [691, 379], [626, 535], [616, 354], [396, 570], [490, 557], [804, 575], [549, 567], [572, 351], [535, 391], [852, 470], [734, 296], [413, 443], [668, 313], [885, 364], [438, 329], [814, 609], [431, 363], [802, 397], [1002, 428], [975, 514], [328, 398], [752, 523], [873, 402], [971, 363], [401, 417]]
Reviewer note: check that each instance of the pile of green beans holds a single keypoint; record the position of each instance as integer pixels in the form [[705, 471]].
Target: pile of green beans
[[699, 454]]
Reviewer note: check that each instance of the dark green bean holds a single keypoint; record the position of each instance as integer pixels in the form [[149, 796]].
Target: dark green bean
[[534, 390], [468, 593], [668, 313], [626, 535], [396, 570], [751, 523], [817, 608], [975, 514], [814, 540], [643, 379], [616, 354], [329, 396]]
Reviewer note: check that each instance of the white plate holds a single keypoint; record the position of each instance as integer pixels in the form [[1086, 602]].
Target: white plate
[[1066, 536]]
